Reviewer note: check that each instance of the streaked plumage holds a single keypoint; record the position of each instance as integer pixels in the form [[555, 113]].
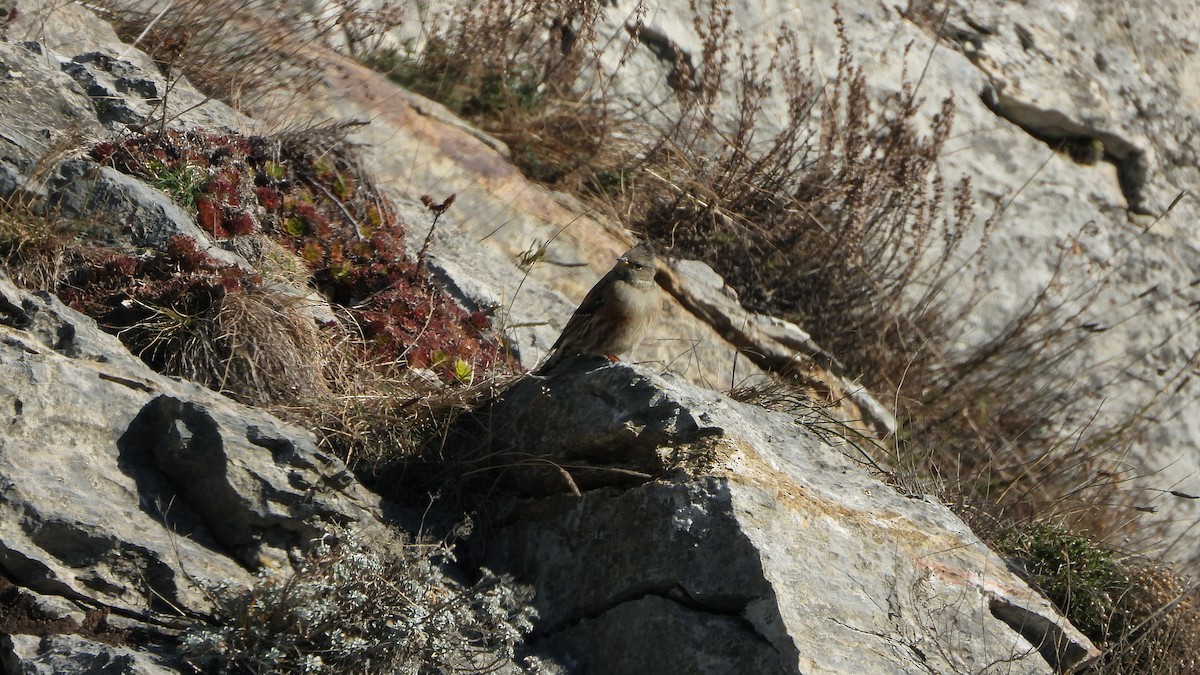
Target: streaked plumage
[[613, 315]]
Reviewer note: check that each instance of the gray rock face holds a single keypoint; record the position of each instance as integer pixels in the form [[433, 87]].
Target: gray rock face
[[73, 655], [779, 346], [781, 555], [120, 92], [124, 84], [1101, 75], [53, 105], [44, 112], [123, 488], [83, 189]]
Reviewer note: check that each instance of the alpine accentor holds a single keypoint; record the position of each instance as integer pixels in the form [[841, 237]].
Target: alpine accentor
[[614, 314]]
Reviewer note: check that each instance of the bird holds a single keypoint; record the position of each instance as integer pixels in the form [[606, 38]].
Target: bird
[[614, 314]]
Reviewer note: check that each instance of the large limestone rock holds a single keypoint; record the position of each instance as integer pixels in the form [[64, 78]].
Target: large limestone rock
[[122, 488], [747, 545]]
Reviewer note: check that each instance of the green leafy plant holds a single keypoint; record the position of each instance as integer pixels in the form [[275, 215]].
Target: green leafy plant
[[1086, 581], [1145, 616], [183, 182]]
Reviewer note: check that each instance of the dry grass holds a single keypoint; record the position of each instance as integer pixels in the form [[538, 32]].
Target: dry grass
[[32, 249], [254, 344], [513, 67], [1161, 627], [380, 415], [231, 50]]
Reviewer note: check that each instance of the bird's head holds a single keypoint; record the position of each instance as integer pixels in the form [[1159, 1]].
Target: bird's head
[[639, 261]]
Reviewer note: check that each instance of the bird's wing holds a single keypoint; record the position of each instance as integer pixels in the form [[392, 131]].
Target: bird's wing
[[592, 302]]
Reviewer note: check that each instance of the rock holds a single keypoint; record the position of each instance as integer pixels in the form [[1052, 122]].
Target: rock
[[756, 548], [49, 115], [83, 189], [46, 113], [630, 439], [125, 83], [15, 186], [123, 488], [773, 344], [74, 655], [1105, 98], [120, 92]]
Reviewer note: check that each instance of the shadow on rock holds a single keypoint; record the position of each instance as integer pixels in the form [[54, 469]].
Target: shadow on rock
[[589, 425]]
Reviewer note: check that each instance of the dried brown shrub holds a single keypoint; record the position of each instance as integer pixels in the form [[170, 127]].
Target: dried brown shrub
[[516, 69], [236, 51]]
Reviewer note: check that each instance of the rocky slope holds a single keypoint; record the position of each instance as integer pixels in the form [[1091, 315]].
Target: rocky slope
[[1074, 123], [1033, 86], [739, 537], [744, 542]]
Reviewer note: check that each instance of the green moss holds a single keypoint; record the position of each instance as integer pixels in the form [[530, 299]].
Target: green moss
[[294, 226], [273, 170]]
